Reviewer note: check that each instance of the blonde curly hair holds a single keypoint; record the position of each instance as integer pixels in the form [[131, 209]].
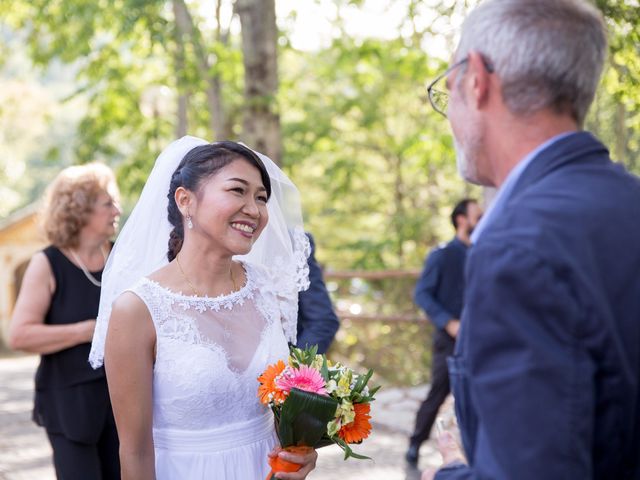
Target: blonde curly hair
[[70, 201]]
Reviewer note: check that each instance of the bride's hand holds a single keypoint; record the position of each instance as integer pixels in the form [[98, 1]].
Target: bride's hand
[[307, 462]]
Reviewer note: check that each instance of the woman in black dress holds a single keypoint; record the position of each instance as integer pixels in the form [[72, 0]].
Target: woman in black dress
[[55, 316]]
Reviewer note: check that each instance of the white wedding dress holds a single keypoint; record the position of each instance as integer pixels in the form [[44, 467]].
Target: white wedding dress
[[207, 420]]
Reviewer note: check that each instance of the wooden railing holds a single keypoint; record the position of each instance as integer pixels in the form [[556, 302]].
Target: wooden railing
[[410, 275], [387, 331]]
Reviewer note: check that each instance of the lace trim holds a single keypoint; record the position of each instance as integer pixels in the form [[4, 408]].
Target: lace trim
[[301, 252], [202, 304], [289, 278], [159, 299]]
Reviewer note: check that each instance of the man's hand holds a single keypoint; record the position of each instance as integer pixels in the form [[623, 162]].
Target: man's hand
[[452, 327], [450, 452]]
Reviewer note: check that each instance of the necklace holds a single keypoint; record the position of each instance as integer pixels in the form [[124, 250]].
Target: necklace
[[195, 290], [84, 269], [233, 282]]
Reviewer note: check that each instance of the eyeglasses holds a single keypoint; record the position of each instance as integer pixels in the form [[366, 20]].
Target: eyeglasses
[[437, 91], [438, 96]]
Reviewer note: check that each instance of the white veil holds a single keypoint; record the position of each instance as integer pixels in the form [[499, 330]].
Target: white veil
[[141, 247]]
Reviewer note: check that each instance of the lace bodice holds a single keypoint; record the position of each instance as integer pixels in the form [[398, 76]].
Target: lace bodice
[[210, 351]]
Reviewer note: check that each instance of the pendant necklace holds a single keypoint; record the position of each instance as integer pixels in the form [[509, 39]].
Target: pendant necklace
[[84, 269], [195, 290]]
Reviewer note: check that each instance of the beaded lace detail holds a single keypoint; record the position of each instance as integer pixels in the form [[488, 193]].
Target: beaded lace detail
[[210, 351]]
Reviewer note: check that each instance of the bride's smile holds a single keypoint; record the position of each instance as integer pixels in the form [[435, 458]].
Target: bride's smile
[[229, 210]]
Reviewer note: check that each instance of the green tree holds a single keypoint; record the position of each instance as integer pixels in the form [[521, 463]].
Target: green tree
[[129, 52], [615, 116], [376, 163]]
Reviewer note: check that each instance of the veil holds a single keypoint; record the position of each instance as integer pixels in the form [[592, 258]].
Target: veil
[[141, 246]]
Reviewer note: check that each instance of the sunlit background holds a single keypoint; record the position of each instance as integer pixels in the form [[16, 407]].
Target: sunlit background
[[116, 81]]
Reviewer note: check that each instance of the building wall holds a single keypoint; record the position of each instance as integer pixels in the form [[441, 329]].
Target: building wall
[[19, 240]]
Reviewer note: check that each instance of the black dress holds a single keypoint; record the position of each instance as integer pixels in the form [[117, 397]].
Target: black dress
[[71, 398]]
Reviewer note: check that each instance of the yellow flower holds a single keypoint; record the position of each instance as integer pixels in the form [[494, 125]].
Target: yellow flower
[[332, 386], [317, 362], [344, 384], [346, 412]]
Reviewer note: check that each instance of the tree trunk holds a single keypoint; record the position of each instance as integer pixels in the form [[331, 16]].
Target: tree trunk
[[182, 123], [261, 121], [222, 124], [186, 26]]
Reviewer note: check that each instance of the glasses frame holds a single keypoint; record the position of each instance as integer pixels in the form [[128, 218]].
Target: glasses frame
[[433, 92]]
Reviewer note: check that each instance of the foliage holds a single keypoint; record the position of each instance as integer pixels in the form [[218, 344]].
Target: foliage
[[384, 330], [373, 161], [124, 50], [615, 116], [35, 129], [398, 352]]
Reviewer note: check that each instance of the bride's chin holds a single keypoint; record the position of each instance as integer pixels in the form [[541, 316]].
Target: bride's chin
[[243, 250]]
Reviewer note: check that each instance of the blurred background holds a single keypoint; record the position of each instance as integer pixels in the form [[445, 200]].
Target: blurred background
[[333, 90]]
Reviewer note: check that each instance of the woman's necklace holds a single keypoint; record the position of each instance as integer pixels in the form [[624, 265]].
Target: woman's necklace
[[195, 290], [84, 269]]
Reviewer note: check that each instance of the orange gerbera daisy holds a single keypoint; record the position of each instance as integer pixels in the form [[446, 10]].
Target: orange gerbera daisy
[[268, 391], [360, 428]]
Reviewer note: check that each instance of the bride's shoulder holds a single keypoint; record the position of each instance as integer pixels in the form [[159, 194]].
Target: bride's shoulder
[[130, 324], [129, 306], [129, 300]]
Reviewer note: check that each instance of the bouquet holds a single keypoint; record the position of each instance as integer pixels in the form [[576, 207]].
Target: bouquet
[[316, 403]]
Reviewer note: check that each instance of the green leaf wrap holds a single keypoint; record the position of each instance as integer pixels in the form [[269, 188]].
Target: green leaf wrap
[[304, 419]]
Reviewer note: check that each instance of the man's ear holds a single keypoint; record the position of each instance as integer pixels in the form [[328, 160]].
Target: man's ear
[[183, 198], [479, 79]]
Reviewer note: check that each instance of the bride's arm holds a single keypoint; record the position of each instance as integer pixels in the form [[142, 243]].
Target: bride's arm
[[129, 357]]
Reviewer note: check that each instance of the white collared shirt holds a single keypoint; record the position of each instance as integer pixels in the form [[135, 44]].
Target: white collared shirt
[[510, 182]]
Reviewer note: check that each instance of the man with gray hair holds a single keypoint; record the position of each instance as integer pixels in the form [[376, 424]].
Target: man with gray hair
[[546, 372]]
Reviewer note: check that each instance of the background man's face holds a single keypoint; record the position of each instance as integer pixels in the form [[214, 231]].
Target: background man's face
[[474, 214]]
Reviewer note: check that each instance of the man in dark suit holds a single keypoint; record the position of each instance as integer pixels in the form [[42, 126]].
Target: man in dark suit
[[439, 293], [317, 321], [546, 372]]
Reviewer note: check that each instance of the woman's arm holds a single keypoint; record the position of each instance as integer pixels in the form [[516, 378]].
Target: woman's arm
[[129, 358], [28, 331]]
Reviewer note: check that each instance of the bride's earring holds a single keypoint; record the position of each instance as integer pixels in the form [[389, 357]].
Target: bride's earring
[[189, 222]]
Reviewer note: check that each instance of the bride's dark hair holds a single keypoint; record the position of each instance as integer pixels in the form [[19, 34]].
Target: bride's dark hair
[[199, 164]]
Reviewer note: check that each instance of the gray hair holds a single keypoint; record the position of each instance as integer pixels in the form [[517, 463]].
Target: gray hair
[[547, 53]]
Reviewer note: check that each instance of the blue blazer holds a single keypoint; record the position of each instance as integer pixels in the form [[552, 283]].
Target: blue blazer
[[317, 321], [546, 373]]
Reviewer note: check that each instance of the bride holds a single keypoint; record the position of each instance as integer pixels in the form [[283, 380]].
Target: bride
[[192, 311]]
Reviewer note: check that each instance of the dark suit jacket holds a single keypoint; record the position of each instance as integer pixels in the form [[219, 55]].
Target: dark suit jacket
[[317, 321], [440, 289], [546, 373]]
